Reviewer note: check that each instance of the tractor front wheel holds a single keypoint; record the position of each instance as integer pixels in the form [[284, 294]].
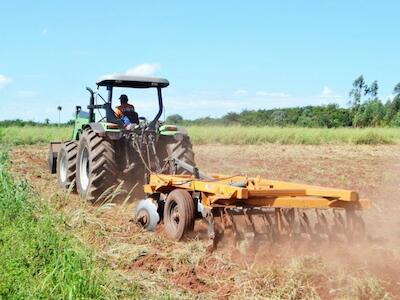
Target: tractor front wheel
[[96, 167], [178, 214]]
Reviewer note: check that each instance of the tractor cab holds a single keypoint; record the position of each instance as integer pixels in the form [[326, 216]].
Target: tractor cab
[[124, 81]]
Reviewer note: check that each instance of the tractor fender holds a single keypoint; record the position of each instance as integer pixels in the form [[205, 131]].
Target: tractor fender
[[178, 132], [96, 127]]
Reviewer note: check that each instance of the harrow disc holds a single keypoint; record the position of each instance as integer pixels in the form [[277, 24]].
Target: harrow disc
[[294, 225]]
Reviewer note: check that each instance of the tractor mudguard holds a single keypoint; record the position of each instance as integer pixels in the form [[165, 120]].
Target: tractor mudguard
[[98, 128], [172, 130], [110, 130]]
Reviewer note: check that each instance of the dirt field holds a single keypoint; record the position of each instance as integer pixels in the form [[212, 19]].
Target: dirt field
[[156, 265]]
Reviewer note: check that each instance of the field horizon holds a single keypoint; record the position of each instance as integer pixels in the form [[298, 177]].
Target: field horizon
[[228, 135]]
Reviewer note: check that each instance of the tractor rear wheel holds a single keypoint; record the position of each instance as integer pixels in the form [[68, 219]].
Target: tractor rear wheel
[[178, 214], [96, 167], [66, 165], [172, 148]]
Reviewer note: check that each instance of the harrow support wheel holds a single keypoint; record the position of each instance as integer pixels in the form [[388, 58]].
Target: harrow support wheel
[[178, 214], [66, 165], [147, 215]]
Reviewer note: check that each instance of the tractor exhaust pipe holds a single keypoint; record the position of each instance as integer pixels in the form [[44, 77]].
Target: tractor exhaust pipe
[[91, 104]]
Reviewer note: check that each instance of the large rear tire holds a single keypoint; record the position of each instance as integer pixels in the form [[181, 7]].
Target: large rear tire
[[96, 167], [181, 149], [66, 165], [178, 214]]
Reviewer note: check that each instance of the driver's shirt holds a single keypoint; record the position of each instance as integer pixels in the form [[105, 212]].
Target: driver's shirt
[[124, 110]]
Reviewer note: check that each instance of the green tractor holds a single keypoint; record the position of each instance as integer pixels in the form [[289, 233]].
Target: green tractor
[[105, 153]]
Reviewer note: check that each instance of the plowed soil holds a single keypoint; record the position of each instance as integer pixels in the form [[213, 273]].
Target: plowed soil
[[186, 270]]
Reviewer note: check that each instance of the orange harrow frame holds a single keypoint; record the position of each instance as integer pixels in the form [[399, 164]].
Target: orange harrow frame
[[284, 202], [256, 192]]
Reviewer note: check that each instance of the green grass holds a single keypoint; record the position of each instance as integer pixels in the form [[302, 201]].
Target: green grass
[[29, 135], [38, 260], [292, 135], [228, 135]]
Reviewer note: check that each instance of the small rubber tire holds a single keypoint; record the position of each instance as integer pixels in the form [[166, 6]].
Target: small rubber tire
[[147, 209], [178, 214], [66, 165]]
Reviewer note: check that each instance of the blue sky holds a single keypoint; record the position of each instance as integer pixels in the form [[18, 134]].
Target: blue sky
[[219, 56]]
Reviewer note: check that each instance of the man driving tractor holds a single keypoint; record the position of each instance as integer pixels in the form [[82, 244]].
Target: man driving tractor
[[126, 112]]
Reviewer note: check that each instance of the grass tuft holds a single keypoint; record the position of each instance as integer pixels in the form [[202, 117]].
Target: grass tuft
[[368, 288]]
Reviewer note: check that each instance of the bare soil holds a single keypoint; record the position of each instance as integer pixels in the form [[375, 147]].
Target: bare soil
[[186, 270]]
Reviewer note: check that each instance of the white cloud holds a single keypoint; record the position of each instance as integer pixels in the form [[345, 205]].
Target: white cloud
[[44, 32], [241, 92], [140, 70], [328, 93], [144, 69], [26, 94], [4, 80], [272, 94]]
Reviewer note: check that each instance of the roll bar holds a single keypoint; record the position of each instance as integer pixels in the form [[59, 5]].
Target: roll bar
[[107, 106]]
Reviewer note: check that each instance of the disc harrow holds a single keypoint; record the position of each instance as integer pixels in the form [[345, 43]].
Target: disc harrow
[[255, 208]]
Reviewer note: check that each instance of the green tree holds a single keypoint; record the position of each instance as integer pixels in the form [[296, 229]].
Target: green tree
[[278, 118], [231, 118], [359, 89], [394, 107], [370, 113], [396, 89], [174, 119], [372, 90]]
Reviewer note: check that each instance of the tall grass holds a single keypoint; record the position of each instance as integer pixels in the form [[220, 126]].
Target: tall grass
[[228, 135], [29, 135], [291, 135], [38, 261]]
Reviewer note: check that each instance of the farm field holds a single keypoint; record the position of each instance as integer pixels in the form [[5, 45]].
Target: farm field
[[155, 266]]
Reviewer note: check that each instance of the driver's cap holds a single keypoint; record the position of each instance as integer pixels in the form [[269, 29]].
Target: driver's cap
[[123, 97]]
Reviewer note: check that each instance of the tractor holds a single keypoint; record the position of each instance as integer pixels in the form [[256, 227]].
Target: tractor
[[104, 154], [103, 151]]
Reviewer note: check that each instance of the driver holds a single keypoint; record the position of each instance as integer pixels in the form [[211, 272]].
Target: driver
[[126, 110]]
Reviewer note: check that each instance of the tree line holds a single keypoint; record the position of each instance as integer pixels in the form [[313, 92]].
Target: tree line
[[365, 110]]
